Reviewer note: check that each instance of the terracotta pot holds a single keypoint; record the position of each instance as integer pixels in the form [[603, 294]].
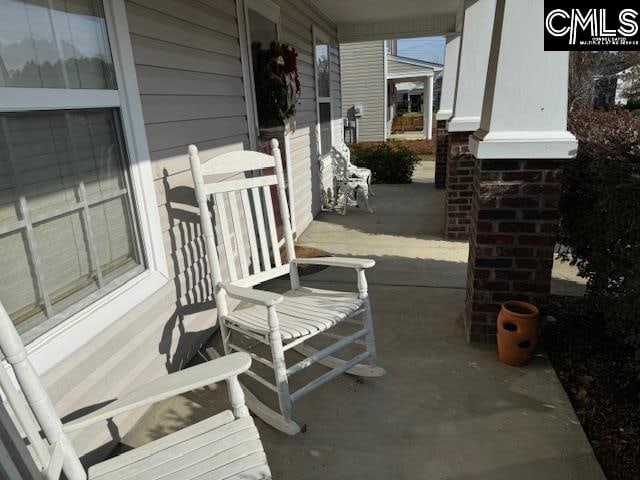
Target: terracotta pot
[[518, 332]]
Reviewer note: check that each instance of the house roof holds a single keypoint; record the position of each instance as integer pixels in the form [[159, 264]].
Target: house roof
[[409, 68], [414, 61], [409, 87]]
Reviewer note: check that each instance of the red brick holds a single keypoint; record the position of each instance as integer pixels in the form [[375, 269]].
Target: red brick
[[536, 287], [536, 240], [495, 286], [514, 252], [513, 275], [495, 239], [514, 227], [522, 202], [484, 226], [522, 176]]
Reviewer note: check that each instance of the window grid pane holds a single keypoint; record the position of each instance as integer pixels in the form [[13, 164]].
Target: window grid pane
[[325, 127], [65, 46], [323, 70], [86, 238]]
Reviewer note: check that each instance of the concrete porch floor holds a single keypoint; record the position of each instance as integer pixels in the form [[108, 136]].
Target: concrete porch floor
[[445, 409]]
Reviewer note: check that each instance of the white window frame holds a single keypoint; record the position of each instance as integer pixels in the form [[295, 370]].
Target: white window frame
[[56, 343], [319, 36]]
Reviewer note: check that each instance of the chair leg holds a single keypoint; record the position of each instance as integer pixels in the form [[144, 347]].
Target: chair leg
[[364, 194], [346, 193], [260, 409], [370, 339], [280, 370]]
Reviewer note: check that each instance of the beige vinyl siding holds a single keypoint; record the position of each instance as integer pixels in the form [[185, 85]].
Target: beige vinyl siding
[[189, 71], [362, 68], [298, 18], [187, 57]]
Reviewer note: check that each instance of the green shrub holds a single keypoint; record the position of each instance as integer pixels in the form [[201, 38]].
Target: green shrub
[[600, 209], [389, 163], [633, 104]]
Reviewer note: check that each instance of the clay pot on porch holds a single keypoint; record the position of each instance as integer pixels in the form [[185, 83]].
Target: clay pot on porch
[[518, 332]]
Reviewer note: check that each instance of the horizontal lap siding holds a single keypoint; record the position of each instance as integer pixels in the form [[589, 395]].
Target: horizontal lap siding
[[189, 72], [362, 68], [188, 66], [187, 56], [298, 19]]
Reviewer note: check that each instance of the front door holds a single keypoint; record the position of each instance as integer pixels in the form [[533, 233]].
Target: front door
[[262, 27]]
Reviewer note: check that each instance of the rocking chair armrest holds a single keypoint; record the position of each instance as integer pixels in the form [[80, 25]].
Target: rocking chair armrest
[[343, 262], [166, 387], [257, 297]]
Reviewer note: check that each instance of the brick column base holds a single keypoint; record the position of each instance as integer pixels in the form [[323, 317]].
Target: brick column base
[[459, 181], [513, 232], [442, 151]]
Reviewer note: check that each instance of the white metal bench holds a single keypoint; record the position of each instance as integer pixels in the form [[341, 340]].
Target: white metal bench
[[225, 446], [247, 236]]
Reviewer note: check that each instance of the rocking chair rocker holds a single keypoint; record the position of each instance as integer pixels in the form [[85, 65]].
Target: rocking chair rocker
[[245, 217]]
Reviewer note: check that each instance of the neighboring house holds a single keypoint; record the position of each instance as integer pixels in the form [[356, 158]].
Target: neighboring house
[[610, 85], [379, 81], [605, 85], [103, 264], [623, 83]]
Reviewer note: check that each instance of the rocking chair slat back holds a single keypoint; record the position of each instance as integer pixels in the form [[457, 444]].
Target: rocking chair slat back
[[271, 219], [262, 235], [237, 227], [251, 228], [221, 210], [245, 216], [32, 406], [24, 417]]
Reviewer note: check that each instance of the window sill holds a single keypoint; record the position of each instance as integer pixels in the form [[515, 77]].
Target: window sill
[[56, 344]]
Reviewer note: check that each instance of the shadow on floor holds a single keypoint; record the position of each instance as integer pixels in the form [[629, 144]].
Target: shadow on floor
[[445, 409]]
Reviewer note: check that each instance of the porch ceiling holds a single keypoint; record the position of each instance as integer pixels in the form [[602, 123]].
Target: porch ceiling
[[363, 20]]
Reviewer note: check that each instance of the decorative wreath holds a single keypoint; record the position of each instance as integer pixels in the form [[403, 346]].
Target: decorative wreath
[[275, 72]]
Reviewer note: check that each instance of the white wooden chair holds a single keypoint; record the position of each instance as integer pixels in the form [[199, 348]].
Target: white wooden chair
[[225, 446], [244, 213]]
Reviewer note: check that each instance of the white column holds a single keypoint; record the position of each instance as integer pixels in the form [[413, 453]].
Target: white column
[[427, 106], [472, 64], [524, 113], [449, 76]]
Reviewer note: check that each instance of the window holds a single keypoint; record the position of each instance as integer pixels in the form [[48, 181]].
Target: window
[[68, 227], [323, 91]]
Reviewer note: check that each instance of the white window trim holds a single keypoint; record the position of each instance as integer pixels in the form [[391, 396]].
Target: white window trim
[[319, 34], [63, 339]]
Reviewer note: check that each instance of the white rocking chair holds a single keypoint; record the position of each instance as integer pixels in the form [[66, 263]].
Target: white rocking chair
[[225, 446], [244, 213]]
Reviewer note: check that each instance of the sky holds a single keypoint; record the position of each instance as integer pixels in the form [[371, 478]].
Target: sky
[[430, 49]]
